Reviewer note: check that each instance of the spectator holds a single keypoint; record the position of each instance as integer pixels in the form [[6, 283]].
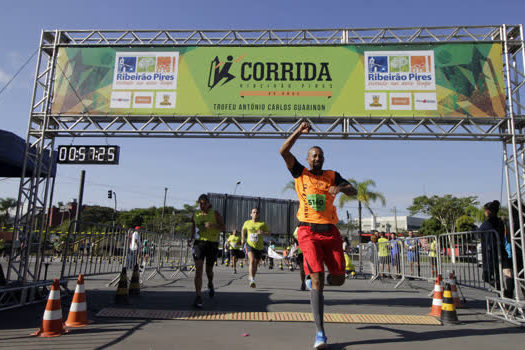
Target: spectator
[[433, 257], [490, 247], [412, 246], [134, 247], [395, 246], [382, 248]]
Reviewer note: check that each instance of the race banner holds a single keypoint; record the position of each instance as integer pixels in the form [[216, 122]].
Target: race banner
[[440, 80]]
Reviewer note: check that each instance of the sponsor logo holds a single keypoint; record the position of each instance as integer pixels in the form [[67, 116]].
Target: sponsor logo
[[400, 101], [400, 70], [375, 101], [425, 101], [120, 99], [145, 71], [165, 99], [143, 100]]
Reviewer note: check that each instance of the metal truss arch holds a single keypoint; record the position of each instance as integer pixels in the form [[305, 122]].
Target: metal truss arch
[[44, 127]]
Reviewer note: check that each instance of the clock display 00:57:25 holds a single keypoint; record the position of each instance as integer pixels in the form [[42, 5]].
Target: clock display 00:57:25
[[100, 154]]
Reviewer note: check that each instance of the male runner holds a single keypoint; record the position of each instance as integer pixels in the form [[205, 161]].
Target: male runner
[[318, 236], [207, 225], [234, 241], [252, 234]]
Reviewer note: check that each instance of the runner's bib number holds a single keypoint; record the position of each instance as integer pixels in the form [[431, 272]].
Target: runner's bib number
[[234, 245], [317, 201], [253, 237]]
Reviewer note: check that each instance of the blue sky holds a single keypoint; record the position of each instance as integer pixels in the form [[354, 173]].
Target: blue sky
[[401, 169]]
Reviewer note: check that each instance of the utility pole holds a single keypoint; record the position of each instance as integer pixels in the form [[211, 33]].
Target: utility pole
[[395, 219], [80, 199], [163, 207]]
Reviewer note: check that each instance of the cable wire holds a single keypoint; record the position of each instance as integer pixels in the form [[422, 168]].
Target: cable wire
[[18, 72]]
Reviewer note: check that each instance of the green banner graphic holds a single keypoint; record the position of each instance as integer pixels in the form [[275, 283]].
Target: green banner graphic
[[439, 80]]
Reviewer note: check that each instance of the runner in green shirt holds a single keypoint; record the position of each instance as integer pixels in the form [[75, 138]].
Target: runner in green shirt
[[207, 225], [252, 234], [234, 242]]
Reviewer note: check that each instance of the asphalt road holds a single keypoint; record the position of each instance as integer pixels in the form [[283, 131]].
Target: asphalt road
[[276, 291]]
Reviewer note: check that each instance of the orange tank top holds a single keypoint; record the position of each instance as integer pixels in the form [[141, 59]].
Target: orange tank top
[[316, 204]]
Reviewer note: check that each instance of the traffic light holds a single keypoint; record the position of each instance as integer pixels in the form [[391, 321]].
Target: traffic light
[[110, 194]]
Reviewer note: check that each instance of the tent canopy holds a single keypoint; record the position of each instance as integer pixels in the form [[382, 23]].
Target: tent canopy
[[12, 148]]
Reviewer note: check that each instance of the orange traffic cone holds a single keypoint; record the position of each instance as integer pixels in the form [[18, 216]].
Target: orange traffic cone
[[454, 289], [448, 314], [52, 324], [78, 311], [437, 300]]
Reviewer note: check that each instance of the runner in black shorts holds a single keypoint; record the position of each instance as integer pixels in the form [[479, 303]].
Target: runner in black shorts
[[207, 225]]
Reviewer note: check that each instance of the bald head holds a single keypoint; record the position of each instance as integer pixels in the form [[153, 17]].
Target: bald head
[[315, 158]]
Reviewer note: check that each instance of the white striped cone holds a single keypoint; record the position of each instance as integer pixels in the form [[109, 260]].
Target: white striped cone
[[52, 324], [78, 311], [437, 300]]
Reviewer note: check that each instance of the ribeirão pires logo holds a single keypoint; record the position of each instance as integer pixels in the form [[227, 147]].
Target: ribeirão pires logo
[[220, 71]]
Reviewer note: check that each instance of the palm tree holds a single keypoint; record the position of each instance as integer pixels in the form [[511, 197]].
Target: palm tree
[[5, 205], [364, 196], [290, 186]]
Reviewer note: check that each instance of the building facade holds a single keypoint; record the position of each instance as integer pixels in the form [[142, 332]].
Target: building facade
[[391, 223]]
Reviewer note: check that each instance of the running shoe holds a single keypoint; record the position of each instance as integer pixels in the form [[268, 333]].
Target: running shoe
[[252, 283], [211, 290], [197, 302], [308, 282], [320, 341]]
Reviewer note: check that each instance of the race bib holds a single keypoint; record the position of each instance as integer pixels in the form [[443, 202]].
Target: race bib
[[234, 245], [253, 237], [317, 201]]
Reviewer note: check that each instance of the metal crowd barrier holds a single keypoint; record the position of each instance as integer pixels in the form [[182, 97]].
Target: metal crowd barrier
[[472, 256], [93, 249], [366, 264]]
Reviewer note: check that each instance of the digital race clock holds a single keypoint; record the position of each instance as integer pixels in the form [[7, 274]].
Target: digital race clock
[[74, 154]]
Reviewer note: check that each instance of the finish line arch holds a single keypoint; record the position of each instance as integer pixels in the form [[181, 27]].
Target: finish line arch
[[410, 83]]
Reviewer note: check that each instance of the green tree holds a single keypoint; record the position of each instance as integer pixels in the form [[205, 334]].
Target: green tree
[[446, 209], [6, 204], [431, 227], [465, 223], [475, 213], [364, 196], [98, 214]]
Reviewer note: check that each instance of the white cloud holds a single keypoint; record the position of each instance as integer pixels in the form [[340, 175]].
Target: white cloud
[[4, 77]]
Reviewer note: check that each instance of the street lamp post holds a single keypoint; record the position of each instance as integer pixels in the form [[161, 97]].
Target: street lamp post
[[236, 185]]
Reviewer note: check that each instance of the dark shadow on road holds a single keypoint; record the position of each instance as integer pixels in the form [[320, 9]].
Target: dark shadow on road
[[410, 336]]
